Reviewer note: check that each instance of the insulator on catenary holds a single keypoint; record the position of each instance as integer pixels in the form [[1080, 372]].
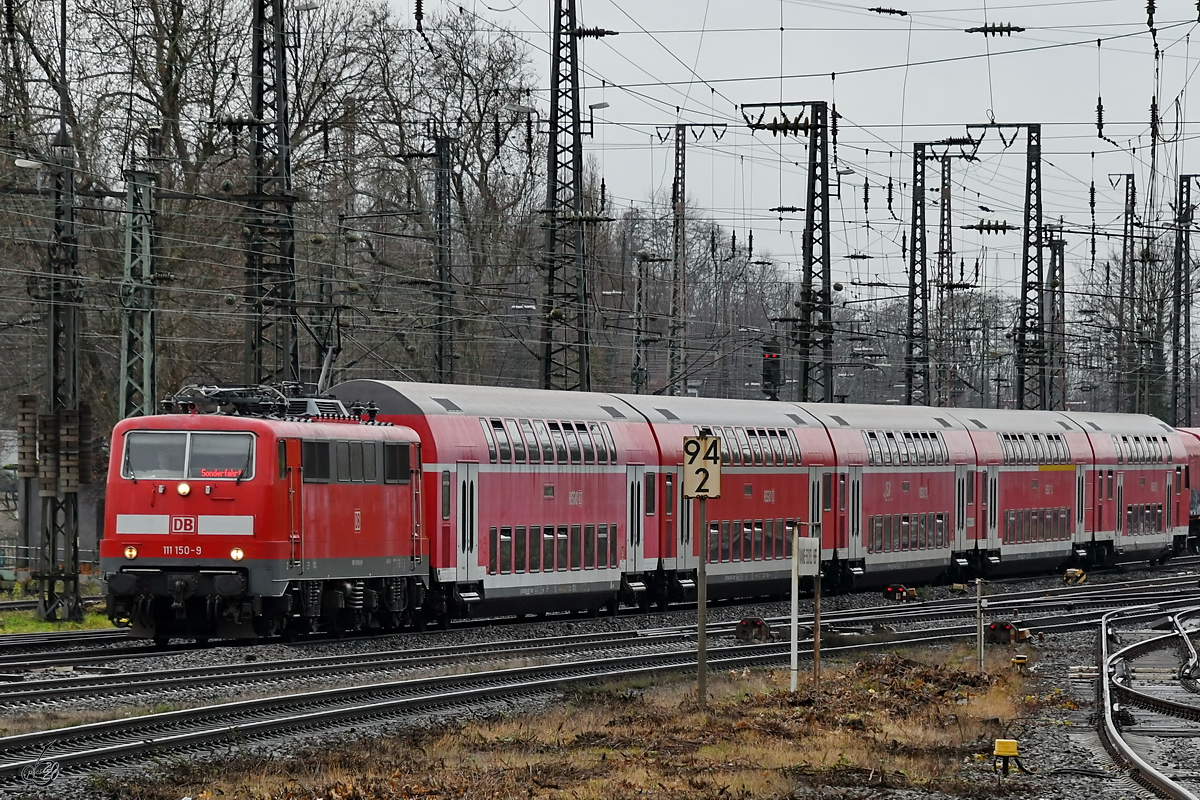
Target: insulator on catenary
[[496, 129], [1100, 117], [750, 246], [890, 192], [1149, 13], [419, 14], [866, 197], [1153, 117]]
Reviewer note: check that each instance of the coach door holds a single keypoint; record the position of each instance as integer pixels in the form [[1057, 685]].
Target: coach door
[[468, 522], [814, 504], [961, 476], [1119, 511], [993, 507], [635, 520], [685, 536], [855, 548]]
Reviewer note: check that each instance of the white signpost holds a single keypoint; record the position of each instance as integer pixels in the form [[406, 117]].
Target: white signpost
[[806, 560], [701, 480]]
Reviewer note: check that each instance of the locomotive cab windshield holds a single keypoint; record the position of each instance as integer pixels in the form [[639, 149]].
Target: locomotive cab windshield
[[173, 455]]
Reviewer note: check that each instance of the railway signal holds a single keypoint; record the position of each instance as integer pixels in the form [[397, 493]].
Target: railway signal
[[772, 369], [701, 480]]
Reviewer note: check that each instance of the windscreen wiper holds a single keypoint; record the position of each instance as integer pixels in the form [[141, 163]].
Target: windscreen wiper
[[246, 466]]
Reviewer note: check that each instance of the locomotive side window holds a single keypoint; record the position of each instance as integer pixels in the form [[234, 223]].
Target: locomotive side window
[[502, 445], [585, 441], [154, 455], [281, 458], [369, 462], [531, 442], [651, 494], [356, 462], [220, 455], [342, 453], [314, 461], [518, 444], [487, 434], [397, 467], [543, 437]]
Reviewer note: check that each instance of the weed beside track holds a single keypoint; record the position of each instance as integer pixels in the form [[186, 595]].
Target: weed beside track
[[889, 722]]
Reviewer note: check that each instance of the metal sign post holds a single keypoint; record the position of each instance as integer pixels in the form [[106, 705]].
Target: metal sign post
[[980, 604], [806, 560], [702, 480]]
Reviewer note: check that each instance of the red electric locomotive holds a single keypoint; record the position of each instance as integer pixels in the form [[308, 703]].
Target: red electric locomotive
[[258, 522]]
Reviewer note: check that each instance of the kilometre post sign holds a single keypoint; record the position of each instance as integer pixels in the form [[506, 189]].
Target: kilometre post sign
[[701, 466]]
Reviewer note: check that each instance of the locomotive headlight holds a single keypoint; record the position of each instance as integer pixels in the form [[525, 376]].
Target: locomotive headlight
[[131, 552], [183, 489], [236, 554]]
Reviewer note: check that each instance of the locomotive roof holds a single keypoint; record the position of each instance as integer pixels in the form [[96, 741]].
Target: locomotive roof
[[272, 426]]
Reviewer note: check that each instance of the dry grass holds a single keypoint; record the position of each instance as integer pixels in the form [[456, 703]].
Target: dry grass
[[882, 723]]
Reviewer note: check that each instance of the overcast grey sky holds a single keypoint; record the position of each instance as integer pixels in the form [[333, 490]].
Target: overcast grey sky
[[899, 79]]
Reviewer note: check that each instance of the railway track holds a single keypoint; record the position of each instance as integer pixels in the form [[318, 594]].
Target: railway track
[[1155, 688], [105, 744]]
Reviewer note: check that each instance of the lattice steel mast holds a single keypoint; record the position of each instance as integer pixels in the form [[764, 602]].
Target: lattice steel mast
[[916, 343], [138, 367], [1181, 308], [58, 431], [1125, 302], [677, 362], [272, 345]]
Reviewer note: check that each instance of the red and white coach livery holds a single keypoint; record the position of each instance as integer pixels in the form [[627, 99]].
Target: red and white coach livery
[[432, 501]]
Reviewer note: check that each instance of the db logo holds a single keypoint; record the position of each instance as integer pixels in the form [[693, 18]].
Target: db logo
[[183, 524], [357, 520]]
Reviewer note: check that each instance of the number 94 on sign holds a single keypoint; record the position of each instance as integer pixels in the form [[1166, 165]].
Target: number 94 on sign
[[701, 466]]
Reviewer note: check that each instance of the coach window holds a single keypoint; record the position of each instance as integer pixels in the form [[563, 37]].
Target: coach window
[[493, 549], [795, 447], [736, 539], [397, 465], [568, 431], [535, 548], [548, 548], [896, 444], [768, 539], [827, 490], [714, 542], [612, 443], [777, 448], [744, 444], [514, 436], [601, 445], [669, 495], [560, 444], [1178, 480], [501, 441], [314, 461], [730, 452], [543, 437], [789, 456], [446, 494], [917, 445], [585, 441], [602, 546], [886, 446], [491, 442], [505, 551], [726, 460], [589, 546], [519, 557], [725, 534], [576, 546], [755, 448], [531, 443], [1110, 484]]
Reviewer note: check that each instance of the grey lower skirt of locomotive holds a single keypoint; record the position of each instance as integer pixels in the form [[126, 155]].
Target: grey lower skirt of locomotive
[[161, 603]]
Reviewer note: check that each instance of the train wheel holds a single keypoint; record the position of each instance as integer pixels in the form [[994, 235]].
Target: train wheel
[[612, 606], [444, 621], [161, 642]]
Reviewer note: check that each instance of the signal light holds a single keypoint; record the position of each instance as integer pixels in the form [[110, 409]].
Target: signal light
[[772, 369], [131, 552]]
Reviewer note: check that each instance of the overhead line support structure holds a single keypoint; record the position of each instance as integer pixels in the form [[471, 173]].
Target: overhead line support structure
[[59, 456], [138, 362], [1032, 355], [1181, 308], [1055, 305], [1126, 398], [813, 330], [566, 323], [272, 348]]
